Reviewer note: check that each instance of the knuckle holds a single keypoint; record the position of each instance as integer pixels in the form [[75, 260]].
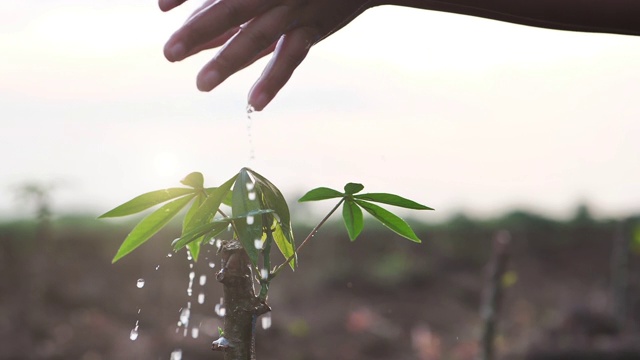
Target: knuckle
[[260, 39], [231, 10]]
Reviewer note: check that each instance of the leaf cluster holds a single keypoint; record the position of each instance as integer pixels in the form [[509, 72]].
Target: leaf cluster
[[259, 216], [256, 204], [353, 203]]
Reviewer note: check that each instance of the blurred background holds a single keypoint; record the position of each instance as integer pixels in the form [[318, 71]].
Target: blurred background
[[496, 126]]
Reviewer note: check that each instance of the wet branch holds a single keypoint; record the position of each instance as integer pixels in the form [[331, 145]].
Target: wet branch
[[242, 305]]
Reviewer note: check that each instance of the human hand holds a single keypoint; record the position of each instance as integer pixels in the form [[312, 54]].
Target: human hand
[[252, 29]]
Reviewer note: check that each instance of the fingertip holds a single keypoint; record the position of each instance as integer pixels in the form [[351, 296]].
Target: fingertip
[[166, 5], [258, 101], [174, 51], [207, 81]]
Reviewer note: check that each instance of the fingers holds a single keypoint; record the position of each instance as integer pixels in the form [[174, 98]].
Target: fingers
[[209, 23], [166, 5], [250, 41], [214, 43], [290, 52]]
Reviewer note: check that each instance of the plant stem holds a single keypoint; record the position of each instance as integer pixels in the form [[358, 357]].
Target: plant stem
[[311, 234]]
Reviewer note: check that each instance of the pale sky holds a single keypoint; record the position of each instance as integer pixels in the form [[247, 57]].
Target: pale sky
[[455, 112]]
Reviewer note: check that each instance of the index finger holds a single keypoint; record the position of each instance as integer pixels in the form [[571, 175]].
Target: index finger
[[166, 5], [211, 22]]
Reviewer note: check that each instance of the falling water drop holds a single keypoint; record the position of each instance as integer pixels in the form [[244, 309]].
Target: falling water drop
[[134, 332], [169, 255], [220, 309], [189, 257], [192, 275], [266, 321], [203, 280], [251, 196], [201, 298], [250, 109], [264, 274], [157, 267], [257, 243], [250, 220], [140, 283], [184, 317], [176, 355], [195, 332], [212, 264]]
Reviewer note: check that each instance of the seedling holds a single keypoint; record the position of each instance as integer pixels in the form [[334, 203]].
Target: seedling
[[245, 216]]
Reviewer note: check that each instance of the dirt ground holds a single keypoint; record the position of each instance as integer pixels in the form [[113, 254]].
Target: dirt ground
[[380, 297]]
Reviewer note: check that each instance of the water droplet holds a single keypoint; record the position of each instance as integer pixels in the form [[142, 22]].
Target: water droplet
[[250, 110], [134, 332], [139, 311], [201, 298], [195, 332], [264, 273], [250, 186], [212, 264], [184, 316], [176, 355], [219, 242], [189, 257], [250, 220], [266, 321], [169, 255], [220, 309], [140, 283], [251, 196], [203, 280], [157, 267], [192, 275], [257, 243]]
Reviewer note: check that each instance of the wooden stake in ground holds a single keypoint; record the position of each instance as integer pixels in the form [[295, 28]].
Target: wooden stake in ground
[[493, 293], [620, 274]]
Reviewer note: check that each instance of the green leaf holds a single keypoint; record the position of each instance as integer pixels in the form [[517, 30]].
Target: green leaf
[[151, 225], [389, 220], [287, 248], [195, 235], [352, 188], [321, 193], [392, 199], [195, 180], [227, 198], [270, 197], [210, 205], [194, 246], [635, 240], [145, 201], [249, 229], [353, 219]]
